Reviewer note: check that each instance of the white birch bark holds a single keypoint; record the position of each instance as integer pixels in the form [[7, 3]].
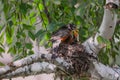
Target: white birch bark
[[97, 69], [106, 30], [31, 69]]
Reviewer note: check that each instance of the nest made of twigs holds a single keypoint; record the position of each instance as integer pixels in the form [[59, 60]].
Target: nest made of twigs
[[75, 55]]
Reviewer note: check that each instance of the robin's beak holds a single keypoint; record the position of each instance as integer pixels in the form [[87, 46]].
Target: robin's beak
[[76, 33]]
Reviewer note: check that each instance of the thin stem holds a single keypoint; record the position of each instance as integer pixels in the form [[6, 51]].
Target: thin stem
[[46, 11], [41, 16]]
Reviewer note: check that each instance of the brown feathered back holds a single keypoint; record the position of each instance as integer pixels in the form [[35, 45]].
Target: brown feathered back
[[65, 34]]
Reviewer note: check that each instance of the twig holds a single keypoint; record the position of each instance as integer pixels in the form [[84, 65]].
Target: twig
[[46, 11], [41, 16], [118, 21]]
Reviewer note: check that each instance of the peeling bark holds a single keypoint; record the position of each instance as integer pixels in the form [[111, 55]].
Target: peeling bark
[[32, 69], [106, 30], [30, 60]]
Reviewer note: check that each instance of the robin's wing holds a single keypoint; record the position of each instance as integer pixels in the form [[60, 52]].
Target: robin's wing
[[66, 34], [59, 36]]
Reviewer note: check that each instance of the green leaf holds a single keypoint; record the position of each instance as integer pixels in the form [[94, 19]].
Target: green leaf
[[6, 9], [30, 52], [28, 27], [45, 38], [10, 23], [114, 54], [45, 18], [24, 7], [28, 45], [108, 44], [9, 34], [49, 44], [18, 45], [80, 19], [100, 39], [17, 57], [52, 27], [31, 35], [117, 36], [104, 41], [12, 50], [37, 1], [33, 20], [116, 47], [1, 64], [1, 50], [20, 34], [2, 38], [40, 32], [68, 78], [103, 58], [41, 7]]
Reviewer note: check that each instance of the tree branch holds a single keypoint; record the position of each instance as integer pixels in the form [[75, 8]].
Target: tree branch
[[31, 59], [46, 11], [103, 72], [32, 69], [106, 29]]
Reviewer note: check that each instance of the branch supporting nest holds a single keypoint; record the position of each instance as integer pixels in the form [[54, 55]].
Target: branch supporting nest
[[32, 69], [72, 59]]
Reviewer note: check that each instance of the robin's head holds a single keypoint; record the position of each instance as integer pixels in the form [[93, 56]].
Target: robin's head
[[73, 31], [71, 27]]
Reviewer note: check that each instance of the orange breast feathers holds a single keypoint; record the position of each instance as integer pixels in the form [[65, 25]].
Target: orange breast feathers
[[67, 34], [71, 37]]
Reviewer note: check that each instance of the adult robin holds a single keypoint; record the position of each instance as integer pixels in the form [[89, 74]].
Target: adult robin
[[67, 34]]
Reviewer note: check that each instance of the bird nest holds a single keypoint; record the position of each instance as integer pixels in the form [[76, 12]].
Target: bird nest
[[75, 55]]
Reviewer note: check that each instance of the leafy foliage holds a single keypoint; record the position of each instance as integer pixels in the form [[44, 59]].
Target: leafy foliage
[[24, 21]]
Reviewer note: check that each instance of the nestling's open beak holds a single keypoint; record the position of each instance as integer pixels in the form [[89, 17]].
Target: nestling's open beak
[[76, 33]]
